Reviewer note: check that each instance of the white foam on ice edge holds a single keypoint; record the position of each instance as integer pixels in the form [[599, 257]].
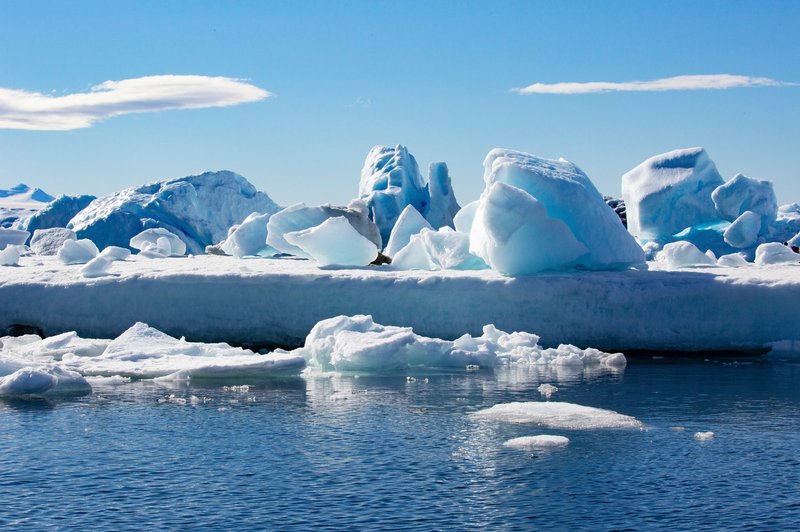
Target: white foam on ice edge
[[556, 415]]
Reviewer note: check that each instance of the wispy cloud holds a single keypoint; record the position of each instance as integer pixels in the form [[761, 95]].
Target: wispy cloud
[[677, 83], [20, 109]]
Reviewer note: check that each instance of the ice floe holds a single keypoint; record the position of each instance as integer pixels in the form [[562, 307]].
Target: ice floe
[[556, 415], [540, 442]]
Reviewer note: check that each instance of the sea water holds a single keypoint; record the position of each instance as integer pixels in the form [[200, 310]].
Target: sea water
[[401, 452]]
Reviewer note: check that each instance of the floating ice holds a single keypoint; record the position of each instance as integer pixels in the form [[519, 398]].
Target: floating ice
[[43, 381], [334, 242], [49, 241], [704, 436], [248, 238], [684, 255], [9, 256], [733, 260], [97, 267], [443, 206], [743, 232], [346, 343], [299, 217], [445, 249], [557, 415], [513, 234], [409, 223], [113, 253], [541, 442], [77, 251], [547, 390], [149, 238], [775, 253], [742, 194], [567, 194], [199, 209], [12, 237], [670, 192]]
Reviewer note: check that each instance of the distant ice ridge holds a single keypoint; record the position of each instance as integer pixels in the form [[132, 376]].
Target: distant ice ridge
[[357, 343], [57, 213], [19, 202], [391, 180], [556, 415], [199, 209]]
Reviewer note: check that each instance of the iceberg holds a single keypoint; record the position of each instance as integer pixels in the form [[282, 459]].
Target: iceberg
[[409, 223], [744, 231], [443, 206], [49, 241], [299, 217], [171, 245], [670, 192], [567, 194], [334, 242], [513, 234], [684, 255], [742, 194], [77, 251], [57, 213], [199, 209], [775, 253], [556, 415]]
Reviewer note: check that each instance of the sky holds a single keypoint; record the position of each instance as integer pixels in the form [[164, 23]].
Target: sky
[[99, 96]]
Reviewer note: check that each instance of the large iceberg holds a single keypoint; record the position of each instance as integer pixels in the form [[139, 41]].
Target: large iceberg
[[199, 209], [334, 242], [566, 194], [670, 192], [57, 213], [299, 217]]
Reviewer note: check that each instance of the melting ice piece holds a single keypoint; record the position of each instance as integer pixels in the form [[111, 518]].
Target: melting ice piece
[[775, 253], [743, 232], [42, 381], [9, 256], [542, 442], [733, 260], [557, 415], [408, 224], [77, 251], [334, 242], [703, 436], [684, 255], [97, 267], [49, 241], [173, 246]]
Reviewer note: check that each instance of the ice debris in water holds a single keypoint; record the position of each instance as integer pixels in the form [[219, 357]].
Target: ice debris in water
[[43, 381], [557, 415], [77, 251], [703, 436], [349, 343], [547, 390], [541, 442], [334, 242]]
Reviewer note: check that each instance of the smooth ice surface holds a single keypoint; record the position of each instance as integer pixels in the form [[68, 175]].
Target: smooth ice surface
[[391, 180], [733, 260], [743, 232], [567, 194], [248, 238], [43, 381], [443, 206], [513, 234], [199, 209], [12, 237], [463, 219], [334, 242], [97, 267], [742, 194], [49, 241], [175, 246], [670, 192], [541, 442], [9, 256], [57, 213], [409, 223], [299, 217], [77, 251], [445, 249], [684, 255], [557, 415], [775, 253], [350, 343], [115, 253]]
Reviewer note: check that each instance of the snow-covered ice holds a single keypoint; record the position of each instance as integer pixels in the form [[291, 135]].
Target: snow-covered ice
[[97, 267], [733, 260], [334, 242], [670, 192], [540, 442], [547, 390], [775, 253], [49, 241], [12, 237], [9, 256], [113, 253], [77, 251], [43, 381], [684, 255], [57, 213], [464, 218], [409, 223], [742, 194], [19, 202], [556, 415]]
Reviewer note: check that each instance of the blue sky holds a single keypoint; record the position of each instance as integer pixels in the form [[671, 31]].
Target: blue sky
[[434, 76]]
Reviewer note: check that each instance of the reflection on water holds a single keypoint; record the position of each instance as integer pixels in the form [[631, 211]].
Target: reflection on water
[[400, 452]]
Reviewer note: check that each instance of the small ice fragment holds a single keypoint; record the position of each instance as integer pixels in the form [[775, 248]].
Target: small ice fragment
[[9, 256], [677, 429], [543, 441], [703, 436], [97, 267], [547, 390], [113, 253], [173, 245], [77, 251]]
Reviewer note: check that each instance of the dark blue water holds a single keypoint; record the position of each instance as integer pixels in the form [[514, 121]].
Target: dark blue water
[[389, 453]]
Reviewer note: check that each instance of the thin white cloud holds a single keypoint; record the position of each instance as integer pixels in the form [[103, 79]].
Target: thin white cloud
[[21, 109], [677, 83]]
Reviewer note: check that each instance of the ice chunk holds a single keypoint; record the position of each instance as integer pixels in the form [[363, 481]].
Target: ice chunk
[[541, 442], [443, 206], [248, 238], [334, 243], [733, 260], [775, 253], [710, 255], [409, 223], [743, 232], [299, 217], [513, 234], [43, 381], [413, 256], [684, 255], [199, 209], [49, 241], [670, 192], [391, 180], [55, 214], [567, 194], [463, 220], [9, 256], [742, 194], [547, 390], [12, 237], [77, 251], [113, 253], [172, 245], [97, 267], [445, 249], [557, 415], [704, 436]]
